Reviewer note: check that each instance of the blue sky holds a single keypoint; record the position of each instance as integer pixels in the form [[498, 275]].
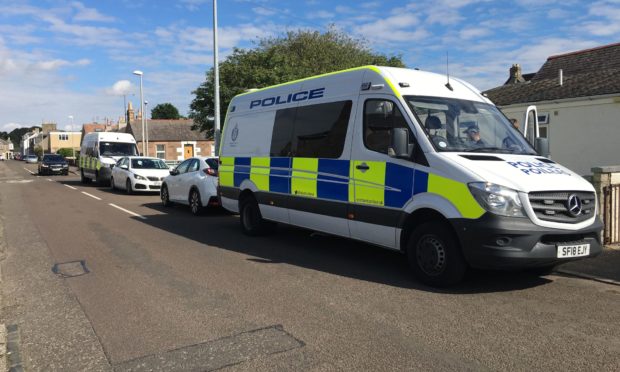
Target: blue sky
[[61, 58]]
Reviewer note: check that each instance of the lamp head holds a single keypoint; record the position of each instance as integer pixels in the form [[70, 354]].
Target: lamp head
[[138, 72]]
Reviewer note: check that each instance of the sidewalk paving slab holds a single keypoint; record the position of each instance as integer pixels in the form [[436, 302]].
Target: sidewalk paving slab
[[605, 267]]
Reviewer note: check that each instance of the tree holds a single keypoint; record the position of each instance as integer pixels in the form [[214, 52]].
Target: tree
[[165, 111], [296, 55]]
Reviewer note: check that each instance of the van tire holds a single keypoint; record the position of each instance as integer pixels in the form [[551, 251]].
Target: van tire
[[252, 222], [435, 256], [195, 203], [84, 179]]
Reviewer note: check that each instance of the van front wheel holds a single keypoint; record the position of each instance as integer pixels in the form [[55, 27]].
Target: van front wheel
[[252, 222], [435, 256]]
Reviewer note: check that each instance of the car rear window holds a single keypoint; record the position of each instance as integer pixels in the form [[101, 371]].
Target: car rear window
[[212, 163]]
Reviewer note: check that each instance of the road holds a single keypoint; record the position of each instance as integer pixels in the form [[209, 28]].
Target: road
[[160, 289]]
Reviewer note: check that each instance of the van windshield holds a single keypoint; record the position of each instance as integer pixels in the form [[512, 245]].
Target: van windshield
[[466, 126], [117, 149]]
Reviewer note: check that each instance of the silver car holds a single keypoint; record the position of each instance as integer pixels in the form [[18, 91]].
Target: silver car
[[31, 159]]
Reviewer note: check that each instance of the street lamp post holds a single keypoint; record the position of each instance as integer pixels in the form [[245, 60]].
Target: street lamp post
[[72, 139], [144, 144], [216, 82]]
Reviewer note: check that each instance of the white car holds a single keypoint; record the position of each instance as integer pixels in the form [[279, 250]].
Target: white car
[[193, 183], [138, 173]]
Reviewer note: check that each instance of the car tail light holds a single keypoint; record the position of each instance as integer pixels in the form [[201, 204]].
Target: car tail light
[[210, 172]]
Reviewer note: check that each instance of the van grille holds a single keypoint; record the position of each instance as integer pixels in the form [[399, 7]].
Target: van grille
[[553, 206]]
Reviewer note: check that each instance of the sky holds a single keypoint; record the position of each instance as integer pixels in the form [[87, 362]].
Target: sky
[[75, 58]]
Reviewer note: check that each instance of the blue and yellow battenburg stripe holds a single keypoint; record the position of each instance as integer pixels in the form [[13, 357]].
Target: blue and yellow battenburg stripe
[[383, 184]]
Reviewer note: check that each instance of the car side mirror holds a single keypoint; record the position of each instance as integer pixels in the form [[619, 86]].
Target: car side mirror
[[174, 172], [399, 144], [124, 167]]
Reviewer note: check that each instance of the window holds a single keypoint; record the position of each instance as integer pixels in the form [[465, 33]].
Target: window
[[212, 163], [315, 131], [182, 168], [160, 151], [380, 117], [63, 137], [193, 166]]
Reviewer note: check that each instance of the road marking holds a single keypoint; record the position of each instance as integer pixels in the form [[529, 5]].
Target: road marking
[[49, 179], [28, 170], [127, 211], [71, 187], [91, 195]]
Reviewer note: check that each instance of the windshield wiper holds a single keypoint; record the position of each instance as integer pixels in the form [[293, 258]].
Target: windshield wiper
[[488, 149]]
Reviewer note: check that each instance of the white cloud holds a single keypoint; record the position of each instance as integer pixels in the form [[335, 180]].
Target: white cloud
[[8, 127], [475, 32], [321, 14], [263, 11], [89, 14], [121, 87], [397, 28]]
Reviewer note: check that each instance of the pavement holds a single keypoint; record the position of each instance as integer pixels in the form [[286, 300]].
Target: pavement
[[603, 268]]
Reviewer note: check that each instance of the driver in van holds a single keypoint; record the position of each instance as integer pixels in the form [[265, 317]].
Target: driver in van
[[473, 134]]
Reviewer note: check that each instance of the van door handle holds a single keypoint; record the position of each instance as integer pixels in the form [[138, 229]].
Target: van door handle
[[363, 167]]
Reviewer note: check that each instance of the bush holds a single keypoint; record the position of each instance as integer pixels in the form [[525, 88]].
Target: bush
[[66, 152]]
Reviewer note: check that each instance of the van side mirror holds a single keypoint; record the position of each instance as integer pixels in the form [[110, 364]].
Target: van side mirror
[[399, 144], [542, 146]]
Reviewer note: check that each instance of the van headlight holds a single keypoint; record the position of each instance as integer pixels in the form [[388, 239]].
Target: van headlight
[[497, 199]]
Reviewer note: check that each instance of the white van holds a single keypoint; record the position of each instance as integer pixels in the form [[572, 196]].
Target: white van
[[406, 160], [100, 151]]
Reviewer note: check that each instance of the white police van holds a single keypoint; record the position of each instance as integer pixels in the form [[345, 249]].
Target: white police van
[[408, 161], [100, 151]]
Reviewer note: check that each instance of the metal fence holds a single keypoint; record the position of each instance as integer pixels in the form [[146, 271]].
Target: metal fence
[[611, 214]]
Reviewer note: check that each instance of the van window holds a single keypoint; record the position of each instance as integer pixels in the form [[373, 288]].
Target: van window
[[315, 131], [380, 116], [282, 136]]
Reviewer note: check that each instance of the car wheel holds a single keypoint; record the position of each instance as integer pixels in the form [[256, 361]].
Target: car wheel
[[165, 196], [435, 256], [252, 222], [128, 187], [112, 186], [195, 204]]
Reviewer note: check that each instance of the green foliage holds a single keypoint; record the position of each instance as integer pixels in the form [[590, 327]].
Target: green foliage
[[296, 55], [4, 135], [165, 111], [66, 152], [38, 151]]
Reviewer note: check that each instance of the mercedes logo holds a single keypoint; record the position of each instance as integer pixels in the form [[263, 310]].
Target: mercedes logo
[[573, 204]]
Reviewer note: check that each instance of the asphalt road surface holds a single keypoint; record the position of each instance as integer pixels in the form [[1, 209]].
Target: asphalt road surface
[[97, 280]]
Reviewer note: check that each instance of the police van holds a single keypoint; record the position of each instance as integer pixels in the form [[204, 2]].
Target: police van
[[407, 160], [100, 151]]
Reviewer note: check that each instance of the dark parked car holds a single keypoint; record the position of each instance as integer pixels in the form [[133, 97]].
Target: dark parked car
[[53, 164]]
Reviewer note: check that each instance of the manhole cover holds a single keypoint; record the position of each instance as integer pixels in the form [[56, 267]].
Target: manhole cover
[[70, 269]]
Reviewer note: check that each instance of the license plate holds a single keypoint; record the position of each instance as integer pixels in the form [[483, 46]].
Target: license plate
[[156, 183], [575, 250]]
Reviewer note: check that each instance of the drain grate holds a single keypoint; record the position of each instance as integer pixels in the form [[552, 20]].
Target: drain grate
[[217, 354], [70, 269]]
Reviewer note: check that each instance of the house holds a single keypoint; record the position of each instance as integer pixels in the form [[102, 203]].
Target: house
[[172, 140], [578, 99], [29, 141], [6, 148], [57, 140]]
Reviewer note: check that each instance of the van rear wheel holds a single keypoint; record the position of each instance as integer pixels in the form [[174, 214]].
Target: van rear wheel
[[435, 256], [252, 222], [83, 179]]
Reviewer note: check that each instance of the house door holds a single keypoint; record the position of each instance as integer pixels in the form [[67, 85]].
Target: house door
[[188, 151]]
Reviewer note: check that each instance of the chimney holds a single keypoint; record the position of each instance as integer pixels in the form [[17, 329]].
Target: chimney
[[515, 75]]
